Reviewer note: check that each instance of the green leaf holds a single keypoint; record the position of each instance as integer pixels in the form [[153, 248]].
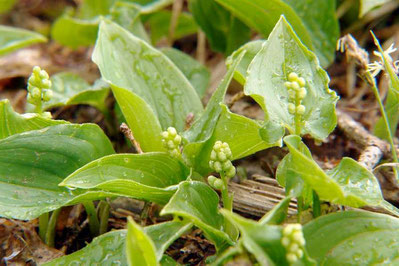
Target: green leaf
[[349, 183], [159, 23], [12, 39], [140, 250], [225, 32], [128, 62], [151, 6], [282, 54], [128, 16], [278, 214], [90, 9], [149, 176], [33, 163], [241, 133], [263, 241], [353, 237], [315, 23], [195, 72], [251, 49], [12, 123], [368, 5], [74, 32], [199, 203], [69, 88], [272, 132], [107, 249], [140, 118]]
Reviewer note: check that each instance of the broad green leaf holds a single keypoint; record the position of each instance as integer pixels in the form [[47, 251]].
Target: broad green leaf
[[33, 163], [90, 9], [198, 203], [225, 32], [278, 214], [282, 54], [12, 123], [6, 5], [314, 22], [69, 89], [349, 183], [74, 32], [353, 238], [251, 49], [109, 248], [368, 5], [150, 6], [128, 16], [140, 249], [263, 241], [14, 38], [241, 133], [140, 118], [195, 72], [159, 23], [128, 62], [149, 176]]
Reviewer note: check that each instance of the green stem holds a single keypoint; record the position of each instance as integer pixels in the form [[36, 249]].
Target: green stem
[[145, 212], [299, 201], [38, 107], [94, 224], [43, 224], [104, 215], [50, 233], [297, 117], [316, 205], [386, 122], [226, 198]]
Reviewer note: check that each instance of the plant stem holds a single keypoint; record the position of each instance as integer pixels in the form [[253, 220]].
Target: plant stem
[[176, 11], [316, 205], [144, 213], [43, 224], [50, 233], [104, 208], [94, 224], [297, 117], [299, 201], [226, 198], [386, 122]]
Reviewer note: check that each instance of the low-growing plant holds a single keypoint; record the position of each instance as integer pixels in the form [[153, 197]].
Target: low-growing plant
[[186, 151]]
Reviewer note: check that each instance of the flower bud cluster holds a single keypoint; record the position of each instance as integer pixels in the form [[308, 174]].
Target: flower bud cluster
[[215, 182], [296, 93], [171, 140], [39, 85], [293, 241], [220, 160]]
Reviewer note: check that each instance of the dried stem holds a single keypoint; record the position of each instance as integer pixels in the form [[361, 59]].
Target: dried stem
[[129, 134], [201, 47], [176, 11]]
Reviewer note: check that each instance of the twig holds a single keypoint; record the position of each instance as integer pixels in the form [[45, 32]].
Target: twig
[[176, 11], [236, 97], [129, 134], [201, 47]]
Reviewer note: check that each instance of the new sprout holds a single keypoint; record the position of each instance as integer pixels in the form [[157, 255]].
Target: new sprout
[[39, 84], [171, 141], [294, 242]]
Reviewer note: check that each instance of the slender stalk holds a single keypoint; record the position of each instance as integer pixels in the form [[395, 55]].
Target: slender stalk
[[176, 11], [94, 224], [50, 233], [300, 208], [104, 215], [226, 197], [145, 212], [316, 205], [297, 117], [43, 224]]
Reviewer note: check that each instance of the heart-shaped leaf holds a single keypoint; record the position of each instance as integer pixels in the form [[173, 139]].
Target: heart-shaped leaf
[[348, 184], [12, 123], [195, 72], [198, 203], [128, 62], [33, 163], [282, 54], [149, 176], [353, 237], [14, 38]]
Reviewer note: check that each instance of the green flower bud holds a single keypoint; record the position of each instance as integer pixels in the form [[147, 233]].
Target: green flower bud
[[227, 165], [213, 155], [231, 172], [291, 95], [217, 166], [302, 93], [211, 164], [293, 76], [171, 145], [287, 84], [171, 140], [174, 153], [291, 108], [222, 156], [177, 140], [35, 93], [293, 241], [300, 109], [218, 184], [292, 258], [301, 82], [211, 180], [30, 99], [47, 95], [217, 146], [172, 131], [43, 75], [295, 86]]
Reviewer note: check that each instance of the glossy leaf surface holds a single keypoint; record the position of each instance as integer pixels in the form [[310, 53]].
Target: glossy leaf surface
[[128, 62], [197, 202], [353, 237], [349, 183], [14, 38], [33, 163], [149, 176], [195, 72], [282, 54], [12, 123]]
